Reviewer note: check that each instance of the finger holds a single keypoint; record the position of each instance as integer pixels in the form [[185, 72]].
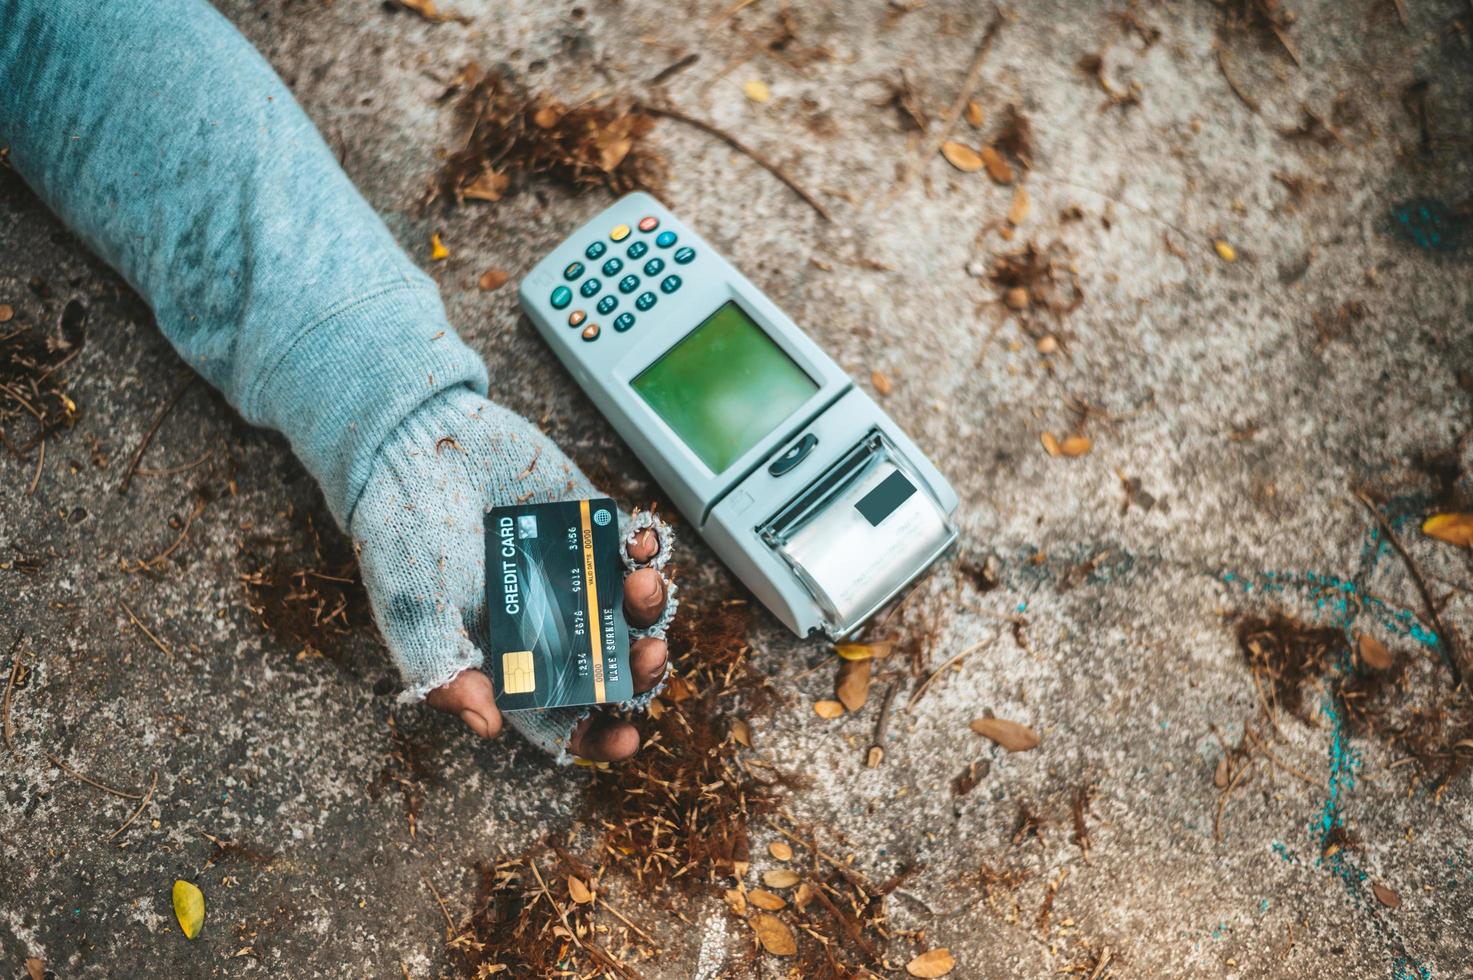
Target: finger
[[646, 545], [604, 739], [470, 698], [647, 657], [644, 596]]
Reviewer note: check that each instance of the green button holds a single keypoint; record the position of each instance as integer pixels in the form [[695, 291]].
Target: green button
[[561, 297]]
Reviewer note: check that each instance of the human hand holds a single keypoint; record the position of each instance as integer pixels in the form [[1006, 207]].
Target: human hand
[[418, 529]]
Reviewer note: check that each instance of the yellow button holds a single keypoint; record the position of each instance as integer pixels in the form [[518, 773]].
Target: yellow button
[[619, 233]]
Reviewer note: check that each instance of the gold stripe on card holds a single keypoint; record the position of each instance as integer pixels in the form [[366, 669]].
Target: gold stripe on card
[[595, 621]]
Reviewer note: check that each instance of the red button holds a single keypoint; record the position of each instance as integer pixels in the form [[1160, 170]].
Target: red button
[[649, 223]]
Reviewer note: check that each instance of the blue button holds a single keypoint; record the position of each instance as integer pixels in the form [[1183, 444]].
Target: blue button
[[637, 249], [670, 284], [573, 271], [623, 322], [595, 250], [665, 239], [628, 284], [684, 254], [561, 297], [607, 304], [645, 301], [612, 266], [590, 286], [653, 266]]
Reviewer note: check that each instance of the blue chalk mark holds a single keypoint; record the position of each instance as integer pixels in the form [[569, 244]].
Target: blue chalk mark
[[1428, 224], [1283, 852]]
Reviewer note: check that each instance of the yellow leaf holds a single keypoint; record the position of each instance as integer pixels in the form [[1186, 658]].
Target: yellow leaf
[[997, 167], [1051, 444], [828, 709], [780, 850], [737, 901], [189, 907], [780, 878], [765, 900], [1453, 528], [961, 156], [438, 251], [974, 113], [742, 732], [853, 683], [1009, 734], [1225, 251], [757, 91], [1076, 446], [864, 651], [578, 891], [775, 935], [1018, 210], [931, 964], [881, 383]]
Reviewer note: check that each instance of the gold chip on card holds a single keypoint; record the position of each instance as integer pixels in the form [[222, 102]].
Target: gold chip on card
[[518, 672]]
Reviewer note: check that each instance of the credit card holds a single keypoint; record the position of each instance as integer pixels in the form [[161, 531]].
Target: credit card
[[555, 592]]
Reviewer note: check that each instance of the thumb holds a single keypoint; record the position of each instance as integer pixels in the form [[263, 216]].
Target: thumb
[[470, 697]]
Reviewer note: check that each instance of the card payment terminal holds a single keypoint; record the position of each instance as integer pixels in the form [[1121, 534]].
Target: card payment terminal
[[794, 476]]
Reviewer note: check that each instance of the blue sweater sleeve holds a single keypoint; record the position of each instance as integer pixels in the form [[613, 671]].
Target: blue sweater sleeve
[[159, 134]]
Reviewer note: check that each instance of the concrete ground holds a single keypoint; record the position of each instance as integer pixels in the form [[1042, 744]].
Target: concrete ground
[[1237, 394]]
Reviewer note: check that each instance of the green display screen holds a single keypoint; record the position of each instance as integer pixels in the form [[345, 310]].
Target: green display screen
[[724, 387]]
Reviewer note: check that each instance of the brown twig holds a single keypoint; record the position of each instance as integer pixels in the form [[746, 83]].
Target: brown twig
[[669, 112], [1445, 636], [849, 927], [621, 917], [593, 948], [161, 557], [90, 781], [876, 753], [664, 74], [1222, 66], [40, 461], [1222, 798], [5, 723], [152, 785], [931, 677], [970, 81], [152, 429], [449, 922], [1259, 744], [175, 470], [146, 631], [1401, 11]]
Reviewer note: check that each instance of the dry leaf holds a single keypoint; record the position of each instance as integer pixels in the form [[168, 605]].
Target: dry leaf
[[1018, 210], [853, 683], [742, 732], [438, 251], [881, 383], [489, 186], [1385, 896], [828, 709], [6, 312], [1373, 652], [997, 168], [962, 157], [35, 968], [780, 850], [492, 279], [1453, 528], [1220, 776], [780, 878], [426, 9], [974, 113], [1016, 298], [1047, 344], [766, 900], [1051, 444], [1076, 445], [931, 964], [1225, 251], [189, 907], [757, 91], [864, 651], [578, 891], [874, 756], [803, 896], [774, 935], [1009, 734], [737, 901], [548, 116]]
